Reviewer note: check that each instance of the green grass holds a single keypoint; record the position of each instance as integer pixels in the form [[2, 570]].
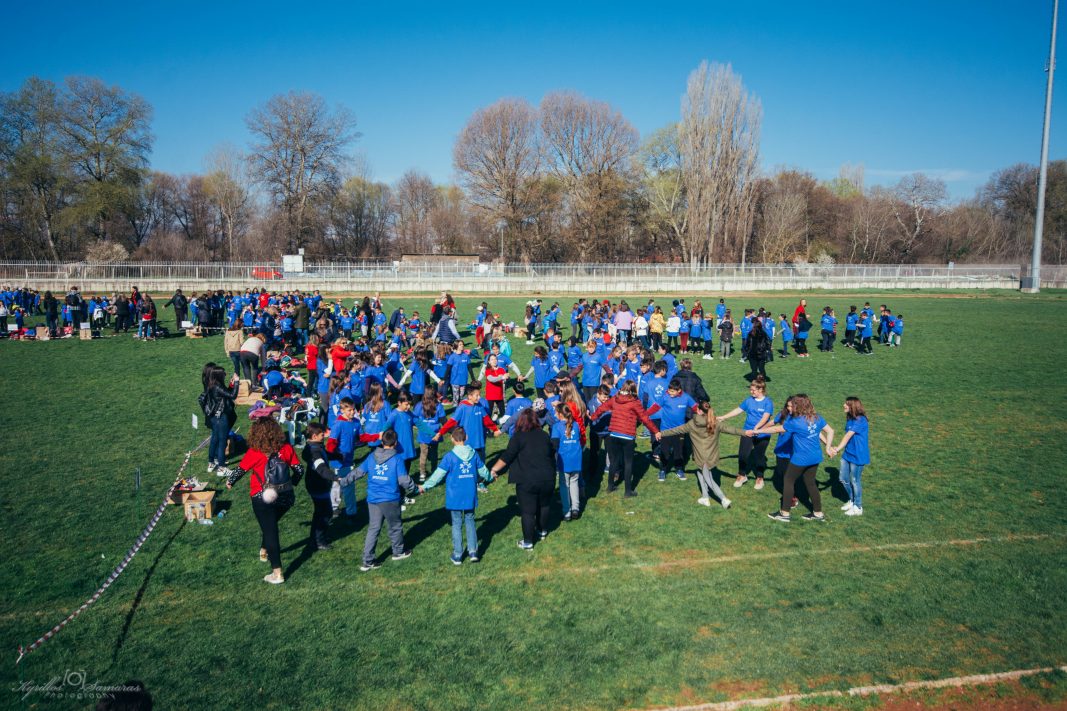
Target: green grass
[[646, 602]]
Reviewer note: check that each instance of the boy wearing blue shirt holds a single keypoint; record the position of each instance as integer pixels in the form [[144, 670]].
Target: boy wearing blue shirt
[[460, 470], [386, 476], [746, 328], [828, 325], [472, 414], [515, 405], [850, 327], [459, 364], [866, 331], [674, 408], [787, 334], [898, 330]]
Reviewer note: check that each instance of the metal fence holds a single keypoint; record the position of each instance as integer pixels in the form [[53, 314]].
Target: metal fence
[[333, 272]]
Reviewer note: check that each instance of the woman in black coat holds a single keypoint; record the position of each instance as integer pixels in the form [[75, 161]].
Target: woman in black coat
[[533, 472], [759, 351]]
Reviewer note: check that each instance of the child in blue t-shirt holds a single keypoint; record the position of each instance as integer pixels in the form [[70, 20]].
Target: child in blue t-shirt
[[787, 334], [855, 455], [828, 326], [896, 330], [460, 470], [568, 442], [851, 319]]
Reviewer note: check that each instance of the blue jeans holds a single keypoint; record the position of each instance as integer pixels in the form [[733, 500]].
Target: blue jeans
[[850, 479], [461, 520], [220, 432]]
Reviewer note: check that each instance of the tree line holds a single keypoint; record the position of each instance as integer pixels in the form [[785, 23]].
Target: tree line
[[567, 180]]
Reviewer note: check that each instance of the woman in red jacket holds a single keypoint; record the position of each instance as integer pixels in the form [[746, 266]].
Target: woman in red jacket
[[265, 439], [626, 411], [495, 380]]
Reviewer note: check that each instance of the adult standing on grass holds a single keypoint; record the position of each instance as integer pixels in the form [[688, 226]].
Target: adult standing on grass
[[267, 449], [181, 307], [216, 401], [759, 352], [531, 465], [801, 309], [808, 430], [251, 353]]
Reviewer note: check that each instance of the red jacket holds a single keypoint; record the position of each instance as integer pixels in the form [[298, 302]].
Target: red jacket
[[495, 390], [255, 463], [625, 413]]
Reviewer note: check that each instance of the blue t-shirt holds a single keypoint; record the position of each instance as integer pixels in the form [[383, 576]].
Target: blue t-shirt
[[865, 326], [806, 447], [511, 410], [461, 481], [543, 371], [592, 369], [569, 456], [851, 320], [857, 450], [783, 448], [720, 311], [375, 422], [652, 389], [787, 331], [459, 362], [829, 323], [383, 479], [427, 424], [673, 410], [472, 419], [401, 422], [755, 410], [898, 326]]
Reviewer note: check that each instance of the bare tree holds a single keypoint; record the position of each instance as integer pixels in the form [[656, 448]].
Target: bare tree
[[450, 221], [497, 157], [783, 223], [869, 225], [415, 197], [918, 198], [299, 155], [720, 153], [587, 145], [659, 162], [226, 186], [361, 217]]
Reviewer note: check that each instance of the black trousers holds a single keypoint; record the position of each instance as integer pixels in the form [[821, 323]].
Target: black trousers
[[533, 508], [794, 472], [268, 516], [757, 365], [827, 341], [621, 454], [800, 345], [498, 405], [752, 456], [672, 452], [865, 345], [320, 520]]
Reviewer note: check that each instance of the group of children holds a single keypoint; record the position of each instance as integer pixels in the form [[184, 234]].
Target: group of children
[[387, 387]]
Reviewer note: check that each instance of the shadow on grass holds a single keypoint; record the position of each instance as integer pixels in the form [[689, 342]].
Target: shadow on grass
[[124, 633]]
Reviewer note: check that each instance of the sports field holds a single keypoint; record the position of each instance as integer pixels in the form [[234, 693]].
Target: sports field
[[957, 567]]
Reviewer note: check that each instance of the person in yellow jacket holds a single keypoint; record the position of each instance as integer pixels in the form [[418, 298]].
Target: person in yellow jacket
[[657, 324]]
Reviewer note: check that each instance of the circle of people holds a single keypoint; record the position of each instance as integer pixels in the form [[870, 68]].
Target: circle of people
[[384, 384]]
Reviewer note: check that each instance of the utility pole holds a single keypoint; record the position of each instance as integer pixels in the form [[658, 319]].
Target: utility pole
[[1032, 285]]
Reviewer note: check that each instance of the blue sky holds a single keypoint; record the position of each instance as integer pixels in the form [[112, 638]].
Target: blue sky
[[952, 88]]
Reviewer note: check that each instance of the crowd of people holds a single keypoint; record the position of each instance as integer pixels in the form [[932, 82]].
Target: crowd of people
[[390, 389]]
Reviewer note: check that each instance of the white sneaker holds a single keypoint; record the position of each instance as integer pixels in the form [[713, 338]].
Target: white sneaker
[[726, 503], [759, 484], [211, 467], [223, 472], [704, 501], [740, 481], [854, 511], [847, 506]]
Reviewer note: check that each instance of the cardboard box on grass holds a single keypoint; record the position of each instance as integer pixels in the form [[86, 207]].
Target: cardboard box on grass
[[189, 499], [85, 334], [42, 333]]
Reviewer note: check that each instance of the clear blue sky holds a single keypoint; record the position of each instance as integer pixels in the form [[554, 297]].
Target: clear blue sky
[[952, 88]]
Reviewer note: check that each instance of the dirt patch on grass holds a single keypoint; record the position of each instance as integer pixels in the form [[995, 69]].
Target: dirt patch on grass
[[1003, 697]]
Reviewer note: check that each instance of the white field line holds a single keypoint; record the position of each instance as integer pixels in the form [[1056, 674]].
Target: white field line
[[806, 552], [786, 699]]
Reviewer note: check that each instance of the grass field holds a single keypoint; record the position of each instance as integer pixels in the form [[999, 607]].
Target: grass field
[[958, 566]]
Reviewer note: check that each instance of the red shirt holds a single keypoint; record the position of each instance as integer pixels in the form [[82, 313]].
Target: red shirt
[[494, 391], [339, 356], [255, 463], [311, 355]]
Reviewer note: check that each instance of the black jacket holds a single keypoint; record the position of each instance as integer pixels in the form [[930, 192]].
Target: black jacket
[[530, 458], [220, 400], [692, 385], [320, 477]]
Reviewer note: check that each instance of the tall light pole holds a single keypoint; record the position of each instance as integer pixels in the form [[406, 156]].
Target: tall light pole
[[1033, 284]]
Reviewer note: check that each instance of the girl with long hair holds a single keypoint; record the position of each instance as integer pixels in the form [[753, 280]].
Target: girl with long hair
[[704, 430], [752, 451], [809, 430], [855, 455]]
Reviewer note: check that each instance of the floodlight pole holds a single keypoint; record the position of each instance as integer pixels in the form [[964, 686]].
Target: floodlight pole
[[1033, 284]]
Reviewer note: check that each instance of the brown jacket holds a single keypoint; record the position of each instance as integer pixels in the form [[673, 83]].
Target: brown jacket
[[705, 446], [233, 340]]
